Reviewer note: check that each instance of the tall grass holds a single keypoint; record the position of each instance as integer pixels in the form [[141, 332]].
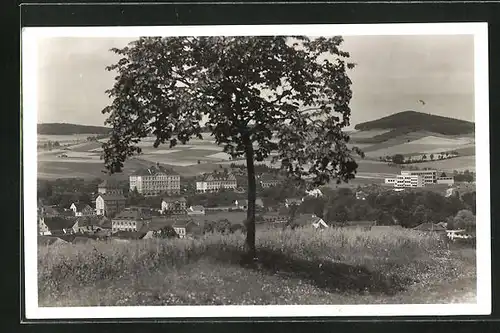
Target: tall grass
[[343, 260]]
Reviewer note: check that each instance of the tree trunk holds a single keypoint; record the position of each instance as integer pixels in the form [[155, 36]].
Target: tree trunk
[[252, 189]]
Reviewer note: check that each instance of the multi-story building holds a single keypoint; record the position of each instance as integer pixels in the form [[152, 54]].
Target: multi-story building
[[110, 200], [216, 181], [428, 176], [130, 220], [409, 181], [109, 186], [445, 180], [155, 180], [174, 205], [415, 178], [267, 181]]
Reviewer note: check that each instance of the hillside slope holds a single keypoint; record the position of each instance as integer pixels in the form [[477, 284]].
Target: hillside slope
[[418, 121], [406, 122], [68, 129]]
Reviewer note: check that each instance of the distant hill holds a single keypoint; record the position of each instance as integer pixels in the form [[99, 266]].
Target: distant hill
[[412, 121], [68, 129]]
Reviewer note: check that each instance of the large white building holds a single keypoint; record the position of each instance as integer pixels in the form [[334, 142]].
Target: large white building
[[428, 176], [155, 180], [418, 178], [217, 181]]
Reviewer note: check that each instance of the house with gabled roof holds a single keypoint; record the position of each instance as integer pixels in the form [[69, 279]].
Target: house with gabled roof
[[267, 181], [216, 181], [90, 224], [318, 223], [109, 204], [186, 228], [173, 205], [243, 204], [196, 210], [130, 220], [430, 227], [81, 209], [58, 225]]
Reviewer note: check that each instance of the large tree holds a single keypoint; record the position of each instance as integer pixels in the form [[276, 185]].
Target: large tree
[[256, 95]]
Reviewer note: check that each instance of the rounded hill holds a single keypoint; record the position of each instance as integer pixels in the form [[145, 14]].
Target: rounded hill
[[413, 121]]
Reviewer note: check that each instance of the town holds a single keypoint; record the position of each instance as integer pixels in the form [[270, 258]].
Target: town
[[156, 203]]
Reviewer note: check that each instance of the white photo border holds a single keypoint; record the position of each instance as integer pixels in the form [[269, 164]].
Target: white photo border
[[30, 37]]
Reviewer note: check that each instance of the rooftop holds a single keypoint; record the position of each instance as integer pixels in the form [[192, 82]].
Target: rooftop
[[89, 221], [132, 215], [197, 208], [155, 170], [59, 223], [174, 199], [81, 206], [219, 176], [111, 197], [429, 227]]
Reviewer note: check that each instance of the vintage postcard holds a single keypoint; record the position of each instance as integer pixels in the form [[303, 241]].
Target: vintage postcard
[[256, 171]]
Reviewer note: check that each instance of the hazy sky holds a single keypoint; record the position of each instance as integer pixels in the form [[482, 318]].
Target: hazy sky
[[392, 74]]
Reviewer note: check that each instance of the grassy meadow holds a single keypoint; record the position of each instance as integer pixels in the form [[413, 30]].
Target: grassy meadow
[[303, 266]]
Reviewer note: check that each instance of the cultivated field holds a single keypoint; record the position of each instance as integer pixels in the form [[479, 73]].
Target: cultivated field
[[425, 145], [200, 156], [336, 266], [460, 163]]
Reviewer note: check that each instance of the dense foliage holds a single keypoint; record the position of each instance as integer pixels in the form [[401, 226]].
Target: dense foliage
[[408, 209], [256, 96]]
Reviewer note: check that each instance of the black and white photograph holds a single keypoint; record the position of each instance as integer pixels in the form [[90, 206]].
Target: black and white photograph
[[251, 171]]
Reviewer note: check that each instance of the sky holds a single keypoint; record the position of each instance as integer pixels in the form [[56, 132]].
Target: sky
[[392, 74]]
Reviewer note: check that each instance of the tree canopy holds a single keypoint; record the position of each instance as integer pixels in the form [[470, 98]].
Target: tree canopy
[[257, 96]]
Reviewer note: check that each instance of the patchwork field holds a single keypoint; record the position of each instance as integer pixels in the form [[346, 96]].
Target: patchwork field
[[83, 159], [460, 163]]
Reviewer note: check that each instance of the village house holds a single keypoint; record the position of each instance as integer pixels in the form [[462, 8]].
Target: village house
[[90, 224], [430, 227], [267, 181], [220, 208], [109, 186], [216, 181], [309, 220], [81, 209], [130, 220], [318, 223], [109, 204], [275, 218], [186, 228], [196, 210], [110, 199], [155, 180], [57, 225], [316, 193], [173, 205], [43, 229], [360, 195], [243, 204], [52, 211], [293, 201]]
